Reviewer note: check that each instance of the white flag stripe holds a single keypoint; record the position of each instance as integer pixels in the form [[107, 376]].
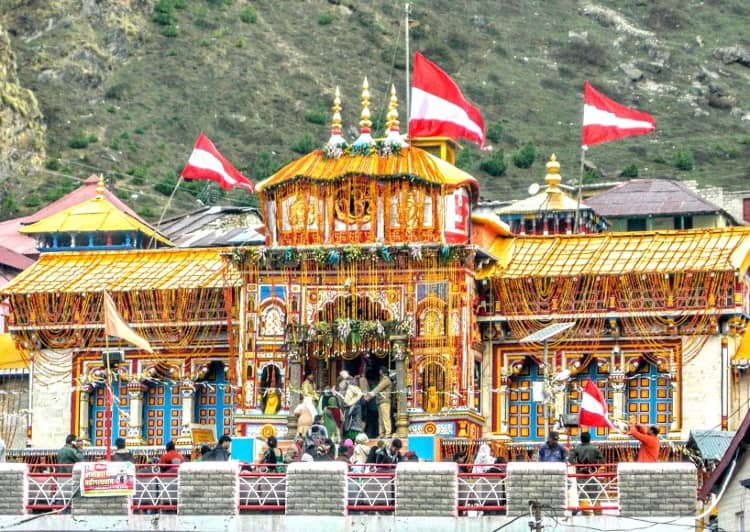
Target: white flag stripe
[[426, 106], [203, 159], [593, 116], [590, 404]]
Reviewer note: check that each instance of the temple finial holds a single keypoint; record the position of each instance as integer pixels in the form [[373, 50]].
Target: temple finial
[[336, 138], [553, 172], [365, 136], [100, 187], [393, 136]]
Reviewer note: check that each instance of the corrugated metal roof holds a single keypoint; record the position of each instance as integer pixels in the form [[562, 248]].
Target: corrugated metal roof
[[154, 269], [726, 249], [656, 197], [215, 226], [712, 444], [410, 161]]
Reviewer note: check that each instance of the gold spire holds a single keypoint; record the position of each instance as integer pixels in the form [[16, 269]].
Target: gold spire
[[365, 124], [391, 119], [336, 123], [100, 186], [553, 172]]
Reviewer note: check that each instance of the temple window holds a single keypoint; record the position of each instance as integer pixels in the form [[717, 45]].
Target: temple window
[[214, 403], [525, 416], [649, 397], [98, 412], [433, 387], [599, 375], [161, 409]]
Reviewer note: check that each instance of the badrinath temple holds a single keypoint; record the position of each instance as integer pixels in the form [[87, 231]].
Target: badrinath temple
[[375, 257]]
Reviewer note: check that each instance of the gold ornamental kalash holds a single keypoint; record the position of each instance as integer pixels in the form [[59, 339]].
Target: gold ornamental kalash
[[367, 264]]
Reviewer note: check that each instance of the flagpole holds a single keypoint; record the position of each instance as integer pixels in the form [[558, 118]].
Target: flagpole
[[164, 211], [407, 12], [580, 189]]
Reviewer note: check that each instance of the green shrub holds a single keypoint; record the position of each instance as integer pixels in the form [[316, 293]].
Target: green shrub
[[325, 19], [80, 141], [315, 117], [303, 145], [180, 4], [52, 164], [630, 171], [495, 132], [170, 31], [164, 187], [239, 44], [659, 159], [9, 206], [146, 212], [683, 160], [495, 165], [525, 157], [248, 15], [138, 131], [32, 201], [111, 109], [464, 160]]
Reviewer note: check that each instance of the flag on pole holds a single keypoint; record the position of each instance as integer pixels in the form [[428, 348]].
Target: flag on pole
[[114, 325], [605, 119], [207, 163], [438, 109], [593, 408]]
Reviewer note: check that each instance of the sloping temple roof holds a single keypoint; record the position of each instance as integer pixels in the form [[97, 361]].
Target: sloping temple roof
[[620, 253], [92, 271]]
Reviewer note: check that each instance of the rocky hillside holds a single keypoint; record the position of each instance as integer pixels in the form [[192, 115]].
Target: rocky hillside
[[124, 87]]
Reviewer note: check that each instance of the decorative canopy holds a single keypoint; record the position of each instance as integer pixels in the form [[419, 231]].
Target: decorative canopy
[[94, 271], [620, 253], [93, 215]]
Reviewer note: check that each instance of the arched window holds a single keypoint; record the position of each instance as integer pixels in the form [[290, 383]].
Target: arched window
[[433, 387]]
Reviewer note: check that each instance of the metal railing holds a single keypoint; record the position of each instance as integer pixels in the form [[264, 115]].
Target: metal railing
[[154, 490], [50, 488], [482, 492], [262, 489], [593, 488], [371, 488]]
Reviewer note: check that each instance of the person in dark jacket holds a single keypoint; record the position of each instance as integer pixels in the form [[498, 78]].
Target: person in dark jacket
[[552, 451], [220, 453], [69, 454], [122, 454], [586, 453]]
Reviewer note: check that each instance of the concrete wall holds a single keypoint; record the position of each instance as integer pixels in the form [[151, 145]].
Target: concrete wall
[[657, 489], [316, 488], [701, 386], [92, 506], [14, 488], [51, 401], [734, 505]]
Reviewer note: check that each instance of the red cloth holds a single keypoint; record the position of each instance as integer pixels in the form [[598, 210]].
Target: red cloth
[[207, 163], [649, 450], [605, 119]]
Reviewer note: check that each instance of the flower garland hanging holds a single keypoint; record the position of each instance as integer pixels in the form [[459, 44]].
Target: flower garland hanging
[[381, 148]]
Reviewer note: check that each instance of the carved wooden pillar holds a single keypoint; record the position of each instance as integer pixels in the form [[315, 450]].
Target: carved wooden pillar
[[398, 343], [84, 403], [135, 391], [187, 396]]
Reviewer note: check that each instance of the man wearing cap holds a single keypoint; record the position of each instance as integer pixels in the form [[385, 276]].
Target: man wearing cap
[[383, 394], [552, 451]]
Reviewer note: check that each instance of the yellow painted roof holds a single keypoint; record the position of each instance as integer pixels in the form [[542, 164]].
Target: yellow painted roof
[[96, 214], [726, 249], [10, 356], [410, 161], [92, 271], [550, 199], [743, 351]]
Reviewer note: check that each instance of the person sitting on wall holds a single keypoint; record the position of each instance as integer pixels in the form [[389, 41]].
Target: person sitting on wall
[[69, 454], [170, 461]]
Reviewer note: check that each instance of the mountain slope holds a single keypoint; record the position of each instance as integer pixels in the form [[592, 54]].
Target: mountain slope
[[125, 87]]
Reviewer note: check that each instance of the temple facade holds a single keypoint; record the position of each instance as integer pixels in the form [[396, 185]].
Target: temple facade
[[373, 260]]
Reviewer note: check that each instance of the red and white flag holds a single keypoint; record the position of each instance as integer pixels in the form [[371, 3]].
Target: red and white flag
[[605, 119], [593, 407], [438, 109], [207, 163]]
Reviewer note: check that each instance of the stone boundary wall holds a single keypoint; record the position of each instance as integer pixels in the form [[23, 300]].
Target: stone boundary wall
[[543, 482], [208, 488], [14, 488], [426, 489], [91, 506], [657, 489], [316, 488]]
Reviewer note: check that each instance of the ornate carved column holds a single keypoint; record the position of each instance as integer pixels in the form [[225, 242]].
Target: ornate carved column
[[617, 383], [675, 428], [187, 396], [398, 351], [503, 395], [135, 424], [84, 403]]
